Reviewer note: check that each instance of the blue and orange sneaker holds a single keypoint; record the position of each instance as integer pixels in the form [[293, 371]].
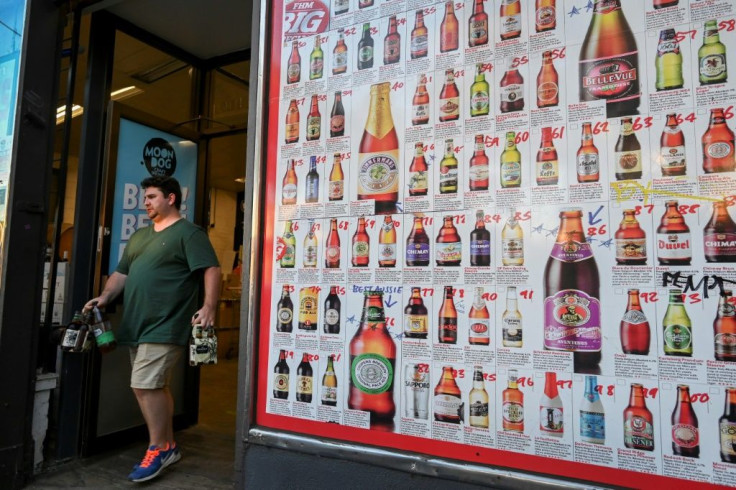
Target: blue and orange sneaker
[[152, 464], [172, 455]]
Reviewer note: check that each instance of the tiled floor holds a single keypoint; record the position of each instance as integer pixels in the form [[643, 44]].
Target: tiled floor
[[207, 449]]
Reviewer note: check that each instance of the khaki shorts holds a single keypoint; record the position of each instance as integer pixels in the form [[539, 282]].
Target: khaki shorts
[[152, 365]]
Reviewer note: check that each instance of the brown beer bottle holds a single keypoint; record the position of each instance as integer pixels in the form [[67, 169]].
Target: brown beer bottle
[[365, 49], [304, 380], [719, 235], [449, 98], [285, 311], [417, 245], [378, 176], [420, 103], [627, 157], [672, 148], [333, 305], [447, 325], [387, 243], [336, 184], [479, 166], [638, 421], [337, 117], [448, 402], [727, 428], [480, 321], [392, 43], [289, 184], [416, 320], [332, 247], [588, 160], [718, 145], [631, 241], [373, 365], [448, 248], [545, 15], [281, 377], [724, 328], [478, 25], [634, 329], [548, 171], [685, 433], [291, 133], [548, 88], [449, 29], [361, 245], [572, 312], [419, 37], [314, 121], [674, 246], [510, 19], [513, 405], [294, 66], [512, 90], [340, 54], [609, 61], [418, 184]]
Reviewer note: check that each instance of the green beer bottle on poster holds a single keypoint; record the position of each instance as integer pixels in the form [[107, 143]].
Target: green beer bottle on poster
[[668, 62], [510, 163], [480, 93], [678, 333], [288, 259], [712, 56], [316, 60]]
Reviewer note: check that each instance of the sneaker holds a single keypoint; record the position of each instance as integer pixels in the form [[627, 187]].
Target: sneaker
[[151, 466], [172, 455]]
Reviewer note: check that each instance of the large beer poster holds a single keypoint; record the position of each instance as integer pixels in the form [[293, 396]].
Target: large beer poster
[[503, 231]]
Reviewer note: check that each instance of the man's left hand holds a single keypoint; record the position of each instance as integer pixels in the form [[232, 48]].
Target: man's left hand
[[205, 316]]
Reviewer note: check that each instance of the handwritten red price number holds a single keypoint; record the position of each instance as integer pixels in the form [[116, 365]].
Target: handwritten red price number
[[427, 292], [682, 118], [289, 354], [458, 292], [651, 297], [346, 156], [340, 290], [640, 123], [527, 293], [600, 127], [322, 97], [313, 357], [558, 133], [699, 397], [374, 30], [496, 218], [315, 227], [299, 162], [688, 208], [489, 377], [336, 357], [397, 223], [727, 25], [390, 321], [423, 368], [300, 101], [559, 53], [317, 289], [525, 216], [342, 225], [728, 112], [459, 6], [489, 296], [321, 159], [647, 207], [458, 149], [522, 136], [524, 381], [597, 230], [401, 21], [397, 86], [491, 141], [564, 383], [347, 93], [370, 223], [280, 249], [459, 219], [350, 31], [302, 44], [295, 226], [428, 221], [651, 393], [682, 35], [430, 10], [486, 67], [520, 60], [608, 390], [458, 373], [732, 300], [730, 200], [692, 298], [427, 148]]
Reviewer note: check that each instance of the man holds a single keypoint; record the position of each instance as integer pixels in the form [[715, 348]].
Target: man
[[160, 271]]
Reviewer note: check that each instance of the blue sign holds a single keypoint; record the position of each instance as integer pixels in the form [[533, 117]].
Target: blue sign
[[142, 152]]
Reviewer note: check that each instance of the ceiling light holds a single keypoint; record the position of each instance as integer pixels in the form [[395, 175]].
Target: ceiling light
[[61, 112], [240, 180], [125, 92]]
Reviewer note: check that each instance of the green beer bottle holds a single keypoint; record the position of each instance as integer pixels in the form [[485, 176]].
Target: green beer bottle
[[678, 334], [479, 93], [316, 60], [668, 62], [712, 56], [510, 163], [448, 170], [288, 259]]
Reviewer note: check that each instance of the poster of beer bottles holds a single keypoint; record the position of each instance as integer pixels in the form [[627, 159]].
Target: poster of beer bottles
[[503, 230]]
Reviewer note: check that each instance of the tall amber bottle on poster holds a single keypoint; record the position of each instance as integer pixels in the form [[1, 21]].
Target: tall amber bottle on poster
[[378, 159]]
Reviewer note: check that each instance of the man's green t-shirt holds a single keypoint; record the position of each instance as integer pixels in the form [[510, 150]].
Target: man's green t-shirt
[[164, 271]]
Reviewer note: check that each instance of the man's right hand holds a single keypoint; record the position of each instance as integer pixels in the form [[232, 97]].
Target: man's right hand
[[99, 302]]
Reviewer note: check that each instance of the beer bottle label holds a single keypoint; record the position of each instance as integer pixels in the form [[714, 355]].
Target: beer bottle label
[[372, 373], [365, 54], [313, 127], [513, 412], [510, 24], [285, 315], [418, 182], [480, 249], [329, 394], [478, 31], [307, 310], [450, 108], [292, 131], [630, 249], [547, 172], [292, 72], [315, 67], [387, 252], [333, 253], [719, 149], [340, 62], [310, 256], [547, 92], [479, 102], [288, 258], [677, 339], [341, 5], [685, 435], [512, 92], [478, 173], [592, 426], [391, 50], [479, 329], [281, 382], [421, 113], [571, 251], [447, 406], [628, 162], [378, 174], [512, 332], [673, 158], [510, 174], [668, 46], [335, 190], [415, 324], [332, 316], [478, 409], [638, 433], [361, 249], [417, 252], [634, 317], [545, 17], [512, 249], [448, 252], [337, 124], [725, 344], [572, 322], [550, 420], [613, 78], [304, 385], [719, 244], [712, 66], [448, 179], [674, 246], [419, 45], [727, 431], [588, 164]]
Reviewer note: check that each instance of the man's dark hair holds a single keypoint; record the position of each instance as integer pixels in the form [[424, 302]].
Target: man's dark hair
[[167, 185]]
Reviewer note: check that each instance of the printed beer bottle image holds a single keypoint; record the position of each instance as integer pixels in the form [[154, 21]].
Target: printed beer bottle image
[[448, 402], [677, 328], [712, 67], [727, 428], [387, 243], [361, 245], [378, 172], [304, 380], [417, 245], [478, 400], [630, 240], [545, 17], [418, 179], [331, 323], [511, 326], [672, 149], [448, 248], [447, 321], [674, 245], [340, 54], [365, 49], [311, 247], [281, 377], [373, 365], [592, 419], [718, 145], [311, 183], [512, 242], [448, 170], [291, 133], [551, 411], [478, 171], [449, 29], [609, 61], [294, 66], [308, 308], [685, 433], [510, 163], [336, 185], [285, 311], [510, 25], [548, 172], [627, 155], [419, 47], [329, 384], [719, 235], [416, 319], [548, 89], [480, 94], [638, 421], [314, 121], [420, 103], [480, 242], [289, 258], [478, 25], [289, 184], [513, 405], [479, 320], [337, 117], [416, 391], [588, 161], [668, 62], [512, 90], [332, 247], [316, 60], [724, 328], [392, 43], [449, 105], [572, 311], [634, 329], [341, 6]]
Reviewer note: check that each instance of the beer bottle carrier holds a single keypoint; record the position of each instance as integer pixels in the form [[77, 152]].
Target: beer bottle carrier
[[77, 336], [202, 346]]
